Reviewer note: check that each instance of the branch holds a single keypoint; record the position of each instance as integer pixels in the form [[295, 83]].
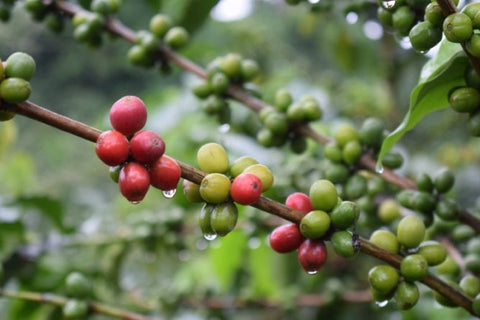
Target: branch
[[60, 301], [79, 129]]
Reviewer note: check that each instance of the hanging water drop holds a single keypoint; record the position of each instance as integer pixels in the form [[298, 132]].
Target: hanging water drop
[[224, 128], [169, 194], [312, 272], [381, 304], [379, 168], [134, 202], [388, 4], [210, 236]]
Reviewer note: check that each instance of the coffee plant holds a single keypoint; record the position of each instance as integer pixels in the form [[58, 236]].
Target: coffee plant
[[320, 164]]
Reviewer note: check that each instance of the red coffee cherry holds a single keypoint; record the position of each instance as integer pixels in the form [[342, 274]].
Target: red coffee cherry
[[165, 173], [147, 146], [246, 188], [128, 115], [112, 147], [286, 238], [312, 255], [299, 201], [134, 181]]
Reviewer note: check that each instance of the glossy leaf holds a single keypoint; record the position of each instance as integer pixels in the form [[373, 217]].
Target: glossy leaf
[[196, 12]]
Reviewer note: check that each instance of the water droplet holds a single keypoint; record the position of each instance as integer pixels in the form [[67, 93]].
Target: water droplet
[[312, 272], [388, 4], [210, 236], [224, 128], [254, 243], [169, 194], [379, 168], [134, 202], [381, 304]]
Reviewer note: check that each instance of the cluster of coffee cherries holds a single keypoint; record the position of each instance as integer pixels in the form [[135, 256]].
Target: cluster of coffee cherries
[[46, 12], [136, 156], [161, 31], [225, 185], [15, 74], [78, 288], [279, 119], [326, 217], [231, 68]]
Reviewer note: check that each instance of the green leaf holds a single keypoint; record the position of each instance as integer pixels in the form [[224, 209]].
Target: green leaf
[[195, 13], [50, 208], [12, 235], [155, 4], [263, 280], [439, 75]]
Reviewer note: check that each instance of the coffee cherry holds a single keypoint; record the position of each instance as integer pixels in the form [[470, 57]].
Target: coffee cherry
[[403, 19], [176, 37], [385, 240], [388, 211], [215, 188], [448, 267], [128, 115], [473, 246], [346, 133], [474, 124], [406, 295], [286, 238], [343, 244], [165, 173], [298, 144], [424, 182], [249, 70], [457, 27], [344, 215], [392, 160], [140, 56], [312, 255], [310, 108], [202, 90], [112, 147], [333, 152], [134, 182], [424, 202], [464, 99], [376, 185], [444, 181], [424, 36], [405, 198], [20, 65], [299, 201], [231, 65], [277, 123], [15, 90], [383, 278], [105, 7], [371, 132], [356, 187], [323, 195], [191, 191], [241, 164], [246, 188], [214, 104], [204, 219], [147, 146], [414, 267], [410, 231], [470, 284], [263, 172], [476, 305], [336, 172], [472, 10], [212, 157], [219, 83], [447, 209], [77, 285], [384, 16], [282, 100], [473, 45], [75, 309], [224, 218], [472, 263], [434, 14], [315, 224], [351, 152], [6, 115], [159, 24], [433, 252]]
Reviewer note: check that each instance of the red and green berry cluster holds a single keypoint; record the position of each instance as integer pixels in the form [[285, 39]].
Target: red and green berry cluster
[[15, 74], [136, 155], [326, 217], [224, 185]]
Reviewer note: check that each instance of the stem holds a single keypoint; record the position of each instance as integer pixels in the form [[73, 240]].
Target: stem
[[60, 301], [79, 129]]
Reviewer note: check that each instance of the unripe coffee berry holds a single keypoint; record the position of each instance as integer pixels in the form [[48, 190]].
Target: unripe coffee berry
[[231, 65], [263, 172], [128, 115], [224, 218], [159, 24], [20, 65], [385, 240], [371, 132], [472, 10], [283, 99], [315, 224], [176, 37], [246, 188], [204, 219], [286, 238], [464, 99], [75, 309], [312, 255], [383, 278], [343, 244], [433, 252], [215, 188], [403, 19], [351, 152], [424, 36], [191, 191], [457, 27], [388, 210], [444, 181], [346, 133], [410, 231], [77, 285], [406, 295], [345, 214], [212, 157], [147, 146], [112, 147], [299, 201], [241, 164], [165, 173], [470, 284], [134, 181], [323, 195], [15, 90], [414, 267]]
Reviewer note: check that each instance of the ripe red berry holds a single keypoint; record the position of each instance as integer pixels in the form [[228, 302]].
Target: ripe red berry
[[312, 254], [128, 115], [112, 148], [286, 238], [246, 188], [147, 146], [134, 181], [299, 201], [165, 173]]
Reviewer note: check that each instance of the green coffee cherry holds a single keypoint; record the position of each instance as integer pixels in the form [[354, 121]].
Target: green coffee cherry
[[15, 90], [385, 240], [447, 209], [392, 160], [343, 244], [474, 124], [77, 285], [224, 218], [473, 246], [336, 172], [75, 309], [356, 187], [472, 263], [405, 198], [176, 37], [434, 14], [202, 90], [20, 65], [473, 45], [212, 157], [282, 100], [333, 152], [388, 211], [410, 231], [462, 233], [424, 202], [315, 224], [137, 55], [383, 278], [310, 109], [160, 24], [424, 36], [277, 123], [470, 284], [213, 104], [346, 133], [215, 188], [406, 295], [472, 10], [295, 112], [448, 267], [323, 195], [403, 19], [249, 69], [345, 214], [192, 191], [376, 185], [219, 83], [476, 305], [266, 137], [433, 252], [231, 65], [298, 144], [444, 181], [414, 267], [371, 132], [351, 152], [457, 27], [384, 16], [241, 164], [464, 99], [424, 182]]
